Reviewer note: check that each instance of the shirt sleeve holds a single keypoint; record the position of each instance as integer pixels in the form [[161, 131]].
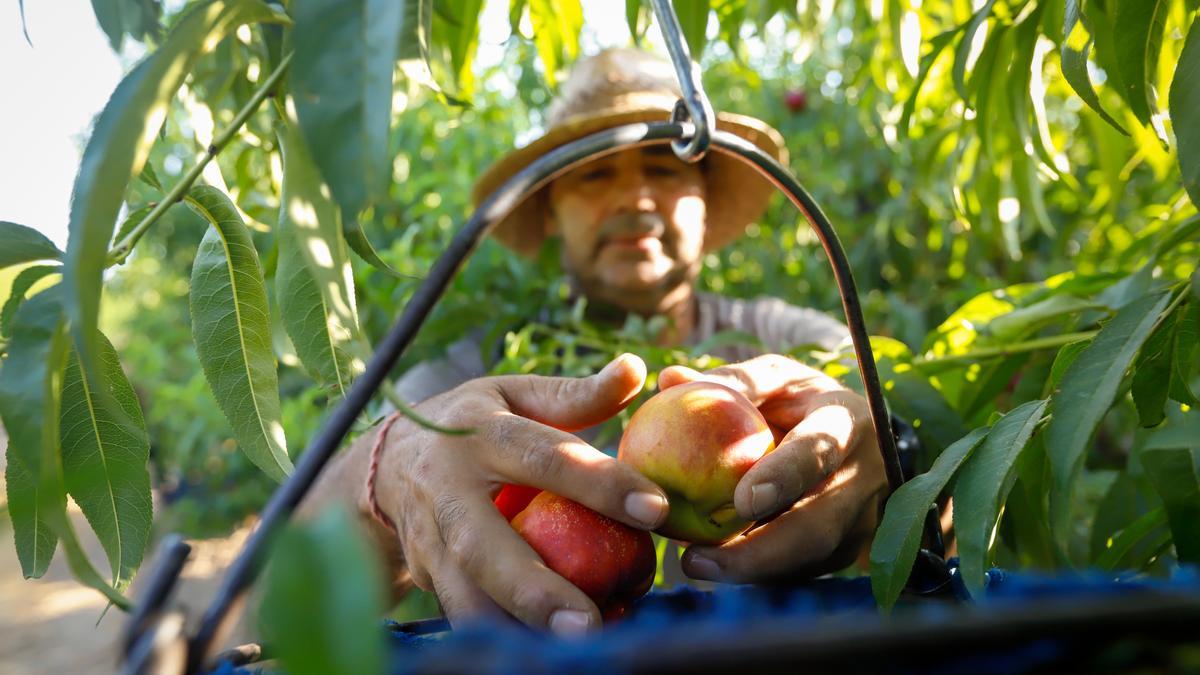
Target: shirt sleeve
[[777, 325]]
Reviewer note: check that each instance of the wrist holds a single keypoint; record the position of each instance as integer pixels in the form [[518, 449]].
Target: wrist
[[370, 487]]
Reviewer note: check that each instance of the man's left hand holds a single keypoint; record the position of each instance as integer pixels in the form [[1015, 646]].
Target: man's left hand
[[816, 496]]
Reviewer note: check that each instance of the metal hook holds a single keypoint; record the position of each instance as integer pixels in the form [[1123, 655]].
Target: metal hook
[[694, 107]]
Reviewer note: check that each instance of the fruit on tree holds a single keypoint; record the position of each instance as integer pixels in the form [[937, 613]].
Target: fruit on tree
[[612, 563], [796, 100], [696, 440]]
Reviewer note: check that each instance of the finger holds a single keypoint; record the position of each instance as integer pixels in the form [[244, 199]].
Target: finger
[[461, 599], [569, 403], [528, 453], [821, 534], [760, 379], [806, 456], [492, 555]]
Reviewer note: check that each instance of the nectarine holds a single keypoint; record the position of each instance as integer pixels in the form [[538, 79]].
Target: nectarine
[[612, 563], [696, 440]]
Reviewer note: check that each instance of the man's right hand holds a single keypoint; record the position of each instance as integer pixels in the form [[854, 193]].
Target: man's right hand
[[438, 489]]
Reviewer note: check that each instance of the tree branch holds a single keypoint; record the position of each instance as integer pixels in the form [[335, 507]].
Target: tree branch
[[122, 249]]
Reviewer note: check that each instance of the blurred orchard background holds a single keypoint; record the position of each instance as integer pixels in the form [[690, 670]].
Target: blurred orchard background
[[1015, 182]]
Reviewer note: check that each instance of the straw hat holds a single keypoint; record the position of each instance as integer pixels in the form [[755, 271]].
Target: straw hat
[[624, 86]]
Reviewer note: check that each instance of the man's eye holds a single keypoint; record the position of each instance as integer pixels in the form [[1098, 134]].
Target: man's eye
[[597, 174], [660, 171]]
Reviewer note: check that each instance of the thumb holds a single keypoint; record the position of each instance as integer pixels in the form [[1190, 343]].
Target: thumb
[[570, 403]]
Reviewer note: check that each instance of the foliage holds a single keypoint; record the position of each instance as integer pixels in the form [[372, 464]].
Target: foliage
[[1014, 183]]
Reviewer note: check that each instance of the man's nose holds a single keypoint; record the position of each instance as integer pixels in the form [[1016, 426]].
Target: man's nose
[[637, 193]]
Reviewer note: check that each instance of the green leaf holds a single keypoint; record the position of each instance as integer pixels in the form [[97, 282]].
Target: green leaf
[[1122, 504], [1181, 431], [131, 221], [1184, 105], [1024, 320], [33, 536], [117, 151], [416, 29], [1184, 232], [1076, 45], [936, 46], [24, 244], [314, 283], [30, 398], [20, 288], [323, 598], [1175, 474], [914, 399], [357, 239], [1087, 391], [635, 19], [343, 96], [149, 177], [1026, 508], [137, 18], [1187, 347], [26, 393], [232, 328], [982, 486], [1138, 43], [899, 535], [693, 21], [1152, 372], [731, 15], [1143, 534], [105, 464], [516, 9], [24, 24], [456, 35], [963, 51], [556, 27]]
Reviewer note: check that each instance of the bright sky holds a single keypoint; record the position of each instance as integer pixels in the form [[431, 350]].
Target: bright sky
[[53, 90]]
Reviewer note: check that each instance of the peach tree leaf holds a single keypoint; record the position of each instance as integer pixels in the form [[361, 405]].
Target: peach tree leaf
[[105, 465], [983, 484], [231, 326], [1087, 390], [899, 535]]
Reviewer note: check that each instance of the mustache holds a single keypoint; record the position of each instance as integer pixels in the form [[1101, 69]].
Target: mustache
[[631, 224]]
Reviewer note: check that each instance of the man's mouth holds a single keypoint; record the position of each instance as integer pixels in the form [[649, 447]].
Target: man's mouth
[[639, 241]]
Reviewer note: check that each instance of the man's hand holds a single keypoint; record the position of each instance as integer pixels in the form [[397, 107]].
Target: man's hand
[[820, 488], [438, 489]]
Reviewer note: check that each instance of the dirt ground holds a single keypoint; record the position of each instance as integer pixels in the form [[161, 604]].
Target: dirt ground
[[49, 625]]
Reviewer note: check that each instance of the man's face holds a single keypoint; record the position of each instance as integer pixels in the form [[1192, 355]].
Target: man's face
[[632, 225]]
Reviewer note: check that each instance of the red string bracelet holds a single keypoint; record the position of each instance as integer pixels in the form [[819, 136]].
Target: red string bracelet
[[376, 453]]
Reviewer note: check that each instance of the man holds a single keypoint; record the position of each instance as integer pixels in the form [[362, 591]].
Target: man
[[635, 225]]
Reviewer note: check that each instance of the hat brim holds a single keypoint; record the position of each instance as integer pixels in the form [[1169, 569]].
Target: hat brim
[[737, 194]]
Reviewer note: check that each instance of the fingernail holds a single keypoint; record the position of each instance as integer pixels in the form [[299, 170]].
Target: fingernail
[[646, 507], [763, 498], [699, 567], [568, 622]]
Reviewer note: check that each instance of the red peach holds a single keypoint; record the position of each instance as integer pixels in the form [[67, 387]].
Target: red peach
[[612, 563], [513, 499]]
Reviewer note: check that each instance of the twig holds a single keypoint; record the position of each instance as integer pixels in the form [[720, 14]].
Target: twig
[[121, 250], [1005, 350]]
